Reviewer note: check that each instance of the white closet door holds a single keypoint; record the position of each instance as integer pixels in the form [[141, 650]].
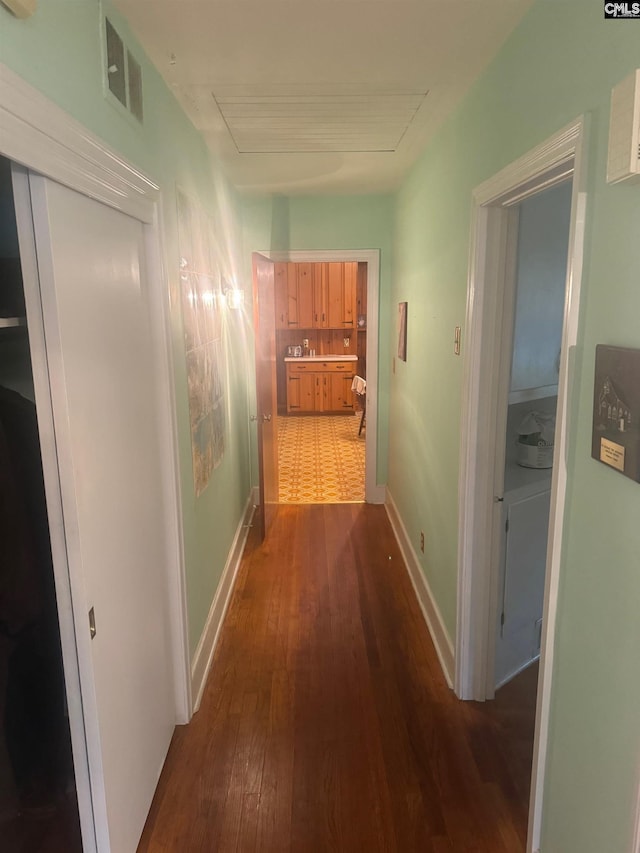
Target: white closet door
[[93, 285]]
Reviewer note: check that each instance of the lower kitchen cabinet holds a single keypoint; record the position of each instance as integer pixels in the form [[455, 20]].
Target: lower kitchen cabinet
[[319, 387], [522, 574]]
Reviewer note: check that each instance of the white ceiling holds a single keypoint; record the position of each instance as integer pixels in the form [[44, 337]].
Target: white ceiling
[[308, 96]]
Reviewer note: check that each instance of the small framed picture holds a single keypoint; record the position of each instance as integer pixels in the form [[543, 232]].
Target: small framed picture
[[402, 330], [616, 410]]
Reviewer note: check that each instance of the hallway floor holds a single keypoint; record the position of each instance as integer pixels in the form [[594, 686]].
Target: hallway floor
[[326, 724]]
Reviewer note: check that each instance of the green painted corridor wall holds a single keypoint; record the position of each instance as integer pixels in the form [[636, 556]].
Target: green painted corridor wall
[[58, 51], [561, 61], [281, 223]]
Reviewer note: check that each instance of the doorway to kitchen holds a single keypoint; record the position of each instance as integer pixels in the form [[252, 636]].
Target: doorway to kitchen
[[321, 337], [320, 414]]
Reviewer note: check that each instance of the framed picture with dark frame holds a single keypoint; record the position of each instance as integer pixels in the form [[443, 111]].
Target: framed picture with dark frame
[[616, 410], [402, 330]]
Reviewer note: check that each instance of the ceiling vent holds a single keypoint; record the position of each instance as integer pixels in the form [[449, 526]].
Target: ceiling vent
[[310, 121], [624, 130]]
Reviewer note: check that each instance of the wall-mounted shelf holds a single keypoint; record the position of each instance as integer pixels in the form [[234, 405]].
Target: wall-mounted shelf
[[12, 322]]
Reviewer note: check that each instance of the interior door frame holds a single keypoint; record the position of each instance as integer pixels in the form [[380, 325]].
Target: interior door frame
[[263, 518], [375, 493], [40, 137], [559, 157]]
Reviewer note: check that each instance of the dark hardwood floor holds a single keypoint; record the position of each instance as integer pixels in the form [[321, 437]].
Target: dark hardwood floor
[[327, 724]]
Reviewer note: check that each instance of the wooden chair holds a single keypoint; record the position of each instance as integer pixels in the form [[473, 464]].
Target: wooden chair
[[359, 387]]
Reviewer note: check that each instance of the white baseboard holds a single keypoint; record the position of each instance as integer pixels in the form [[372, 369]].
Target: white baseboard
[[430, 610], [201, 663], [378, 495]]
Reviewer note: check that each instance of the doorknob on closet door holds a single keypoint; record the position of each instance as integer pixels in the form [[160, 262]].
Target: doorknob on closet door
[[266, 417]]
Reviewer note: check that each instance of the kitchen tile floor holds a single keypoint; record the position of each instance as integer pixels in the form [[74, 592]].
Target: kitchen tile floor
[[321, 459]]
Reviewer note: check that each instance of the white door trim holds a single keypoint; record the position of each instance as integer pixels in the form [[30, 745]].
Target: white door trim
[[636, 831], [555, 159], [375, 493], [41, 137]]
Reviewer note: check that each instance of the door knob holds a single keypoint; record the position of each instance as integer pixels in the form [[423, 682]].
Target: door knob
[[266, 417]]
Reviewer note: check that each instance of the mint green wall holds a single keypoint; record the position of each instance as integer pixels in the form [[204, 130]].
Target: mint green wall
[[58, 51], [331, 222], [561, 61]]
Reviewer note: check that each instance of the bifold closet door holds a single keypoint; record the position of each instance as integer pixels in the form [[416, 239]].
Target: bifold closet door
[[95, 307]]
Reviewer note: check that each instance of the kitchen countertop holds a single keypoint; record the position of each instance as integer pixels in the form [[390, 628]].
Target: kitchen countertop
[[322, 358], [522, 482]]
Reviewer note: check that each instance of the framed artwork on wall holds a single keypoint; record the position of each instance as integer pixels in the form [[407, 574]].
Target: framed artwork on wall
[[616, 410], [402, 330]]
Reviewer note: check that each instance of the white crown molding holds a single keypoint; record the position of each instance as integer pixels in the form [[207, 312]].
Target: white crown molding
[[67, 152], [551, 154]]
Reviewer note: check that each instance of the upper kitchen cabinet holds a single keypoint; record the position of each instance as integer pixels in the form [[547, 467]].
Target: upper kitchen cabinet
[[316, 296], [320, 299], [341, 295], [293, 296], [334, 295]]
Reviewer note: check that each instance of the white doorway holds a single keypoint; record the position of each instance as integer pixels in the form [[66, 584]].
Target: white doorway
[[374, 493], [489, 327], [524, 471]]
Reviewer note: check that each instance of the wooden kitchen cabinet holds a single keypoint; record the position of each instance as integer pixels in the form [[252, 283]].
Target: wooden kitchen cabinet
[[316, 296], [301, 392], [341, 295], [319, 387], [320, 298], [339, 395], [293, 296]]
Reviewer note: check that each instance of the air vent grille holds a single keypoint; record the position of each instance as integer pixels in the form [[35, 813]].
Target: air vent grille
[[123, 72]]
